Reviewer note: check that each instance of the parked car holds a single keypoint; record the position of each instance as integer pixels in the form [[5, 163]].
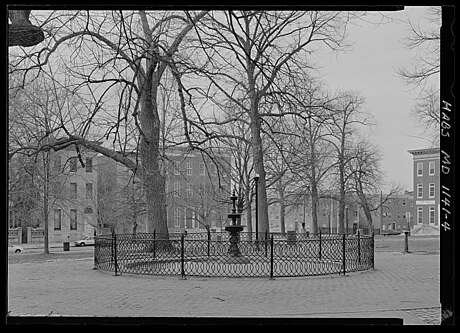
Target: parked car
[[390, 232], [86, 241], [13, 248]]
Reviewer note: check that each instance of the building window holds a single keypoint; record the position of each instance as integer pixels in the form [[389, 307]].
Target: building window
[[57, 219], [73, 190], [89, 164], [431, 168], [189, 168], [176, 189], [419, 190], [177, 168], [431, 215], [73, 164], [89, 190], [73, 219], [202, 169], [431, 190], [189, 191], [420, 215], [419, 169], [404, 202], [177, 217]]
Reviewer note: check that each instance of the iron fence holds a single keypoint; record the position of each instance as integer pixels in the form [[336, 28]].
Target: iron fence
[[207, 254]]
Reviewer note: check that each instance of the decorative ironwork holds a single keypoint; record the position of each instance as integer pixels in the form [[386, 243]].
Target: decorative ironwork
[[207, 254]]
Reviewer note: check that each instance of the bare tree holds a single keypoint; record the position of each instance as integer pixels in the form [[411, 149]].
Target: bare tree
[[313, 152], [115, 51], [423, 75], [244, 54], [428, 115], [343, 124], [367, 178], [36, 114]]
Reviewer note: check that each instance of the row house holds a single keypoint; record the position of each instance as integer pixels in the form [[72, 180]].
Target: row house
[[73, 212], [426, 182], [394, 214], [72, 195]]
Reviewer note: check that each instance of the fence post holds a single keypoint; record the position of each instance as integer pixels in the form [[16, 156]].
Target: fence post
[[96, 250], [265, 241], [406, 241], [114, 237], [343, 254], [182, 268], [359, 249], [319, 254], [271, 257], [154, 244], [209, 240], [372, 248]]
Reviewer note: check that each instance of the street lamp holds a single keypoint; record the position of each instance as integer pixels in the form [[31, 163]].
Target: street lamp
[[256, 182]]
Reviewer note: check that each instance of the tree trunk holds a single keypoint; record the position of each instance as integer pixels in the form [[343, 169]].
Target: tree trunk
[[21, 32], [314, 213], [45, 201], [313, 183], [257, 151], [368, 214], [149, 156], [342, 199], [45, 220], [261, 189]]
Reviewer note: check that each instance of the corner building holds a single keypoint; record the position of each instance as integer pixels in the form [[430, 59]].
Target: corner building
[[426, 182]]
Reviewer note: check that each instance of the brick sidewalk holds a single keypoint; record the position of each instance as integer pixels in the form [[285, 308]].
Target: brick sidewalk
[[402, 285]]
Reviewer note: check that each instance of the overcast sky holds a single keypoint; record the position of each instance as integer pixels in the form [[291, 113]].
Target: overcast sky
[[370, 68]]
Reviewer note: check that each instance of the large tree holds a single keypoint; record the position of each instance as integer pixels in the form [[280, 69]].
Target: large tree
[[366, 178], [343, 125], [243, 55], [107, 54]]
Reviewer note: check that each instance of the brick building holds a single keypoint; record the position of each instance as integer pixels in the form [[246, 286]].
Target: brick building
[[74, 205], [327, 214], [72, 195], [426, 182], [198, 189], [197, 193], [396, 214]]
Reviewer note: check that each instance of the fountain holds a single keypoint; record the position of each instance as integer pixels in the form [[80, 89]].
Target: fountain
[[233, 254]]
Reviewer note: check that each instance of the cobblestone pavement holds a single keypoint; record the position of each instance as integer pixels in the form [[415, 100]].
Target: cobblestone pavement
[[401, 286], [431, 316]]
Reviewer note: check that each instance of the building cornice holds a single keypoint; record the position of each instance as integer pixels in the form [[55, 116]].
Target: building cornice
[[424, 151]]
